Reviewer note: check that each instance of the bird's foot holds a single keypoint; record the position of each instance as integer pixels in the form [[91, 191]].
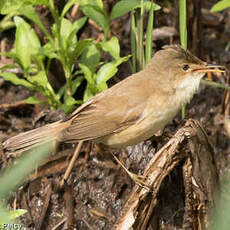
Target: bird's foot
[[138, 179]]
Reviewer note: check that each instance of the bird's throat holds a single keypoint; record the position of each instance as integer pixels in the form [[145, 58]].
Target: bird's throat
[[186, 89]]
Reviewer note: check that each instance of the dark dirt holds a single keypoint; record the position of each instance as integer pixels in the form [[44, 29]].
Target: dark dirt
[[97, 185]]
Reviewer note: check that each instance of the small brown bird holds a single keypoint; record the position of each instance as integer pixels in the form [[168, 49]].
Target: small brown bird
[[132, 110]]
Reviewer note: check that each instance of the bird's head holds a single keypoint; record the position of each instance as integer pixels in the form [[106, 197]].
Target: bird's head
[[180, 68]]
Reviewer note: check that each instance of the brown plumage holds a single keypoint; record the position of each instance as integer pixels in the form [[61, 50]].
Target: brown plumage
[[132, 110]]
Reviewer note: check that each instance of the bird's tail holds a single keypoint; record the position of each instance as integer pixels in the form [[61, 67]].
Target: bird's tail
[[35, 137]]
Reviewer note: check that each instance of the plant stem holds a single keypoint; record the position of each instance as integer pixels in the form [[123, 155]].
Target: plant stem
[[215, 84], [61, 50], [133, 42], [183, 26], [140, 17], [149, 35], [183, 34]]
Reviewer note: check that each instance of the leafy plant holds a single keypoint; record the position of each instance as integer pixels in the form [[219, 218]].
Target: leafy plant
[[63, 45], [95, 11], [97, 79]]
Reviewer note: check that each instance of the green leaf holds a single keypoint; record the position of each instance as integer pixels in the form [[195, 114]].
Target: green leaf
[[24, 7], [108, 70], [87, 73], [32, 15], [40, 79], [112, 46], [70, 101], [221, 5], [77, 25], [8, 7], [8, 66], [16, 80], [72, 39], [123, 7], [42, 84], [148, 5], [6, 24], [62, 91], [37, 2], [67, 6], [15, 174], [16, 213], [8, 217], [76, 83], [97, 3], [80, 47], [66, 29], [91, 57], [69, 30], [88, 94], [103, 86], [97, 15], [49, 50], [123, 59], [33, 100], [11, 54], [26, 42]]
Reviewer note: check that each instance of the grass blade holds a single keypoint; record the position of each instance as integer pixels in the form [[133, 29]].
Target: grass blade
[[149, 36]]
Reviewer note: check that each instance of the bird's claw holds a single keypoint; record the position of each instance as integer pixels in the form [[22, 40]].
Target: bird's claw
[[139, 180]]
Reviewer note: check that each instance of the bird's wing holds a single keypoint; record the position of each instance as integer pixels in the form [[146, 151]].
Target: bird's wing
[[110, 111]]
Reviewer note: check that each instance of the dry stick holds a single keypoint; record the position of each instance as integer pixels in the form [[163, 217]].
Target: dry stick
[[24, 205], [202, 157], [160, 166], [59, 224], [71, 164], [13, 105], [3, 48], [75, 10], [40, 222], [87, 224], [153, 203], [69, 206]]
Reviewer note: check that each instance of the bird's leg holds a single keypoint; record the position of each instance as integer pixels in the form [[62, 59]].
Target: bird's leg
[[138, 179]]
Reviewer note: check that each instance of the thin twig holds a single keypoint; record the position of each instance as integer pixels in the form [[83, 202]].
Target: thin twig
[[71, 164], [215, 84], [59, 224]]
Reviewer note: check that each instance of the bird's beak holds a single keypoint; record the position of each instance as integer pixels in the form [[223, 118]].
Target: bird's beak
[[211, 68]]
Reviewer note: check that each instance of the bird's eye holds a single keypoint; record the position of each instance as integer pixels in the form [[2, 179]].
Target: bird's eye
[[185, 67]]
